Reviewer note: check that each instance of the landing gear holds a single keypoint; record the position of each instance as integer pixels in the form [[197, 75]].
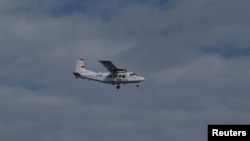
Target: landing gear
[[137, 85], [118, 87]]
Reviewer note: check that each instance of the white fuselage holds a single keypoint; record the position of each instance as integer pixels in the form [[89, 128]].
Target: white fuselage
[[120, 78]]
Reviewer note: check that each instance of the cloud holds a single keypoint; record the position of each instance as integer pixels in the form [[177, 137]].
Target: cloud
[[194, 56]]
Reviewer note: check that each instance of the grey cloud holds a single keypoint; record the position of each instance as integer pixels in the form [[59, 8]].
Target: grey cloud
[[180, 47]]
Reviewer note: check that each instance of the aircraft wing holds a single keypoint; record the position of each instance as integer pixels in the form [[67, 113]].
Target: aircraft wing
[[111, 67]]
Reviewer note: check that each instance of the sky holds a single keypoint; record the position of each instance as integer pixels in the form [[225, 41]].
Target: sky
[[194, 55]]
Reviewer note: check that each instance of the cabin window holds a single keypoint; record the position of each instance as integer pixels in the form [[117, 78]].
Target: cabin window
[[99, 75]]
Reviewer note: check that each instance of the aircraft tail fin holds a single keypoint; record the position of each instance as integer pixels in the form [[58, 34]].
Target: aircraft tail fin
[[80, 66], [81, 70]]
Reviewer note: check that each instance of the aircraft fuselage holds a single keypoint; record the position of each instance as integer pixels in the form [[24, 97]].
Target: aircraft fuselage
[[120, 78]]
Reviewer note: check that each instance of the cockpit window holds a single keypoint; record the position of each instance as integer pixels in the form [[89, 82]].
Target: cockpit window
[[132, 74]]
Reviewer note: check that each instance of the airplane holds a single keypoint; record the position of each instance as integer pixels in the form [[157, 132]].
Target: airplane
[[115, 76]]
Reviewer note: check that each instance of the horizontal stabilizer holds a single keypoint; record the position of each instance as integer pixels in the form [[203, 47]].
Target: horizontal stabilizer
[[77, 75]]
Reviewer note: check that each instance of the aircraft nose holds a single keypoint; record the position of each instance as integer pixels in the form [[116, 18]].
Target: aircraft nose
[[142, 78]]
